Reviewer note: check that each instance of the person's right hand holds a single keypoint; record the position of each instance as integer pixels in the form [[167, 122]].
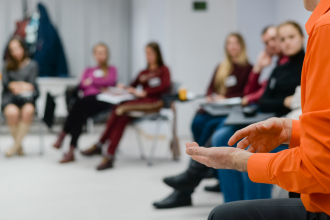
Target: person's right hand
[[264, 136], [87, 82], [263, 60]]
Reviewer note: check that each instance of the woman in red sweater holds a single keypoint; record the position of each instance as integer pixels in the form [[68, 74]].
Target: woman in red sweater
[[228, 81], [155, 81]]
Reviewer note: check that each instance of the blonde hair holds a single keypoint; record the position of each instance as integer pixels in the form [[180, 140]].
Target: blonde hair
[[226, 66], [104, 66]]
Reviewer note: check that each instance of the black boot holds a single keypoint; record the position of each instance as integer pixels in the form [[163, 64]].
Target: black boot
[[176, 199], [188, 179], [191, 177], [215, 188]]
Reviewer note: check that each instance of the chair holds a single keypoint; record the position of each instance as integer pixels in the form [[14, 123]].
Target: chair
[[167, 113], [39, 121]]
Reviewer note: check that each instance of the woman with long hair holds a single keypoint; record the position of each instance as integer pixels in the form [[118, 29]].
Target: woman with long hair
[[155, 81], [20, 92], [93, 82], [228, 81]]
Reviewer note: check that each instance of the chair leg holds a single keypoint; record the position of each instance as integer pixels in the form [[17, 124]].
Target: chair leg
[[154, 142], [90, 126], [41, 138], [140, 144]]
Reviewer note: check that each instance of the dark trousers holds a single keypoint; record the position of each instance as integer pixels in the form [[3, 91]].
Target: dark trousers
[[265, 209], [81, 110]]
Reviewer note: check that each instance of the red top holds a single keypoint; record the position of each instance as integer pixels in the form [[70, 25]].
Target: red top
[[240, 74], [253, 89], [157, 82]]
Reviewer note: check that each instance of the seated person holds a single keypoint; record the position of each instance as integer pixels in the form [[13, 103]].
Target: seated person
[[185, 183], [155, 81], [228, 81], [277, 99], [20, 92], [93, 82]]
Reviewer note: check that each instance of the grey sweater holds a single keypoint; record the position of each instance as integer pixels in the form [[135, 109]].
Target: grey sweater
[[27, 74]]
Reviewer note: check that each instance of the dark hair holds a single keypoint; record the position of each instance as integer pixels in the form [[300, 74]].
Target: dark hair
[[12, 63], [294, 24], [266, 29], [155, 47]]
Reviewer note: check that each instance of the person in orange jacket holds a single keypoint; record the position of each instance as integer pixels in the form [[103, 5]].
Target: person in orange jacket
[[305, 167]]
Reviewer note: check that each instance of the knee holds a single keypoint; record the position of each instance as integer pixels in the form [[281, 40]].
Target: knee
[[11, 111], [224, 212], [27, 110]]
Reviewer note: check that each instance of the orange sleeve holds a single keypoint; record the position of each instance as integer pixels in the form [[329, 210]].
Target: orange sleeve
[[295, 134], [305, 169]]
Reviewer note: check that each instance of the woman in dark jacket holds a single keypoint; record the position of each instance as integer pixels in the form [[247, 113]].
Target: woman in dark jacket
[[20, 92]]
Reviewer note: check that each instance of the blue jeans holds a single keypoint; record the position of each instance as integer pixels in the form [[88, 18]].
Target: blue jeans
[[204, 125], [236, 185]]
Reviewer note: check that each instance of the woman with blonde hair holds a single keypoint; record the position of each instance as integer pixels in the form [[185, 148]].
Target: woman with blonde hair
[[93, 82], [228, 81]]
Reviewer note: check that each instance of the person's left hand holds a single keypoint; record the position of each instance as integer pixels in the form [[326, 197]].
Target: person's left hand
[[219, 157]]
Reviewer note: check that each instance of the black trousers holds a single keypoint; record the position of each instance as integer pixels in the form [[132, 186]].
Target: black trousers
[[80, 112], [265, 209]]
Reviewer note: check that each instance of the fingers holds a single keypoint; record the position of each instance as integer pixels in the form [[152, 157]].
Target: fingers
[[202, 160], [240, 134], [198, 151], [243, 143], [251, 149], [193, 144]]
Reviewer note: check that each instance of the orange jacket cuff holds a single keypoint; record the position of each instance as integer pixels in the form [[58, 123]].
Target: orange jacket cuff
[[295, 134], [258, 167]]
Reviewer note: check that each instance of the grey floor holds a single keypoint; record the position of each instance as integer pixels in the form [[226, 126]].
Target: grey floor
[[38, 188]]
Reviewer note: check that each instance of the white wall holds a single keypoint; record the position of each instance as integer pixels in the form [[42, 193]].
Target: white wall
[[192, 42], [81, 24]]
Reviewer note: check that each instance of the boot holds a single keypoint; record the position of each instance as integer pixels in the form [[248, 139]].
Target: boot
[[176, 199], [106, 163], [94, 150], [215, 188], [188, 179], [69, 157], [21, 131], [59, 141]]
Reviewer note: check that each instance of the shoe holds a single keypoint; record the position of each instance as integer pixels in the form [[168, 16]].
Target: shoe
[[94, 150], [59, 141], [20, 151], [215, 188], [182, 181], [11, 151], [68, 157], [105, 164], [176, 199], [189, 179]]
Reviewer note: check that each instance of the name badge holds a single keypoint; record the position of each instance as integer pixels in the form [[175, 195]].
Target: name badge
[[231, 81], [154, 82], [272, 83], [98, 73]]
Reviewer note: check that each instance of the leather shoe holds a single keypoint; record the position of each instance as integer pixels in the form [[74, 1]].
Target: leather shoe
[[176, 199], [182, 181], [68, 157], [215, 188], [106, 164], [94, 150]]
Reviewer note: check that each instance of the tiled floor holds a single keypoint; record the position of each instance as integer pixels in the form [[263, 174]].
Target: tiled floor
[[38, 188]]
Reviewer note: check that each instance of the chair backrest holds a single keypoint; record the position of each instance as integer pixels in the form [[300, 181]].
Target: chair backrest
[[174, 88]]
